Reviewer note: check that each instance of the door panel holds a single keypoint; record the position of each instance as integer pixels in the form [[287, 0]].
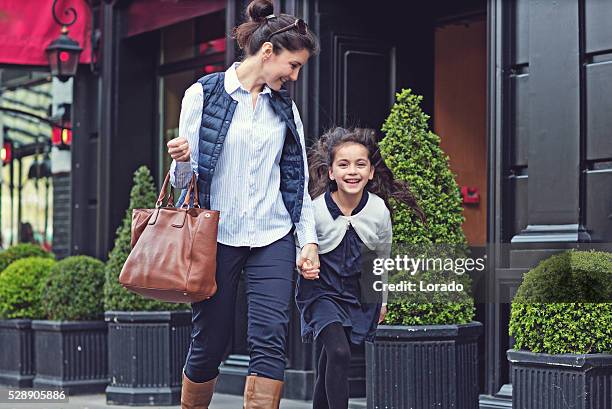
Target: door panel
[[460, 114], [364, 81]]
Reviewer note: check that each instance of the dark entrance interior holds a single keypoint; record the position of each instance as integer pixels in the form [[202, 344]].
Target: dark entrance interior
[[438, 50]]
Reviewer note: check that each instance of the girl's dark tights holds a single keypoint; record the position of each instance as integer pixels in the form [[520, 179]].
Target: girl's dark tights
[[331, 386]]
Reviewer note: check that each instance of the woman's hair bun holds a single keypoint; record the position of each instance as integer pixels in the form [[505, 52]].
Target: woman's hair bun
[[253, 33], [258, 10]]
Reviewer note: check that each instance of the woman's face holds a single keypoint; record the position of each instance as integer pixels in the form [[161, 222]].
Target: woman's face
[[351, 168], [283, 67]]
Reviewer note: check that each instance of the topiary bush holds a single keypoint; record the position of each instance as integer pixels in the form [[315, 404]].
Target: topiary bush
[[19, 251], [72, 291], [116, 297], [21, 286], [564, 305], [413, 154]]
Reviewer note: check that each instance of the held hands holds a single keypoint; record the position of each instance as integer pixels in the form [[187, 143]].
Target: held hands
[[308, 262], [308, 265], [383, 313], [178, 148]]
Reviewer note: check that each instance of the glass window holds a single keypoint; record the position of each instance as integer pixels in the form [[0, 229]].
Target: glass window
[[26, 194], [189, 50], [194, 38], [173, 86]]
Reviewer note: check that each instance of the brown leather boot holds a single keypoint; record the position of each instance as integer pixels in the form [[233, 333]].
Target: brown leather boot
[[262, 393], [196, 395]]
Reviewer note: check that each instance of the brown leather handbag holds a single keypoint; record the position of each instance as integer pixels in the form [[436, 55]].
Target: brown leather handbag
[[174, 250]]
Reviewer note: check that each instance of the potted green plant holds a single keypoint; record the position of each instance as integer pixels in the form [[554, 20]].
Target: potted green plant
[[142, 333], [19, 251], [20, 303], [426, 353], [561, 321], [70, 344]]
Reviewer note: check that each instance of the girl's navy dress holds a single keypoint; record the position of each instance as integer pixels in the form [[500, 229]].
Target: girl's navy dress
[[336, 295]]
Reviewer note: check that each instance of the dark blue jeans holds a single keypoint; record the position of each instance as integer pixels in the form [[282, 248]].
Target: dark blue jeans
[[269, 278]]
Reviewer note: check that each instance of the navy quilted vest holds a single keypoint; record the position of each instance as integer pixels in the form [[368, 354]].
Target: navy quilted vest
[[217, 115]]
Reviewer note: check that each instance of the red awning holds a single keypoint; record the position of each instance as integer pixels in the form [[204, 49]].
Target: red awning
[[27, 27], [149, 15]]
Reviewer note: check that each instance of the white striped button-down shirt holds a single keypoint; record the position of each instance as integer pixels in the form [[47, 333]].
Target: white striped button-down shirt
[[246, 184]]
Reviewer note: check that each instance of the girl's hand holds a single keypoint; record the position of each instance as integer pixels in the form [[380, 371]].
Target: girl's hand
[[308, 272], [383, 313], [179, 150], [308, 262]]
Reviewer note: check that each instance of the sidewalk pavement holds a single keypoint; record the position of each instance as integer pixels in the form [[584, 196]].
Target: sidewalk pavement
[[98, 401]]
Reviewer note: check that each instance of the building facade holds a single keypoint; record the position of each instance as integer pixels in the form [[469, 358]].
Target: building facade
[[519, 92]]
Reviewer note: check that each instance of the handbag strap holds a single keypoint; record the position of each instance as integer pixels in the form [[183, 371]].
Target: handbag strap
[[162, 194], [193, 186]]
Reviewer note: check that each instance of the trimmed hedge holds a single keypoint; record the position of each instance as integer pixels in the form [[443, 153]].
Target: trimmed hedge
[[116, 297], [72, 292], [21, 285], [564, 305], [413, 154], [19, 251]]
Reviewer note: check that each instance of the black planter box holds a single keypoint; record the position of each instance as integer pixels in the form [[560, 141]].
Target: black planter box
[[425, 366], [16, 353], [70, 355], [543, 381], [147, 351]]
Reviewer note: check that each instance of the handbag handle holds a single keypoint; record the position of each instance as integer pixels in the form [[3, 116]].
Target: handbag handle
[[162, 193], [193, 186]]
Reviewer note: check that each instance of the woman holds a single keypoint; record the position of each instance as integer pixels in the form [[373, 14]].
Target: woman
[[243, 137]]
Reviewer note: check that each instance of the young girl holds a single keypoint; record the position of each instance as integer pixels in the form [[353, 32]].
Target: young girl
[[352, 186]]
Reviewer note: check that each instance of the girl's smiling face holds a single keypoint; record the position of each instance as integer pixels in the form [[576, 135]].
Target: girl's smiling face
[[351, 168], [282, 67]]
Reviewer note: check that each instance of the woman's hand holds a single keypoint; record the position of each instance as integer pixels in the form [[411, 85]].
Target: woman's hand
[[383, 313], [179, 150], [308, 262]]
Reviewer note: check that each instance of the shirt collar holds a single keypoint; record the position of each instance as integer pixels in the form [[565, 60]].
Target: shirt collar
[[335, 211], [232, 84]]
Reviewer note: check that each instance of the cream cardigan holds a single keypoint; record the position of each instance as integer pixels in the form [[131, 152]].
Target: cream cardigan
[[372, 224]]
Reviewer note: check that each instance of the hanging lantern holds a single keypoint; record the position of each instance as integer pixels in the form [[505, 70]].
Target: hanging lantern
[[40, 169], [67, 134], [60, 136], [63, 55], [6, 153], [61, 129]]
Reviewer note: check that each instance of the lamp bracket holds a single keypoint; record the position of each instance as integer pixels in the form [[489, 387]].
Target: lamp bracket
[[69, 11]]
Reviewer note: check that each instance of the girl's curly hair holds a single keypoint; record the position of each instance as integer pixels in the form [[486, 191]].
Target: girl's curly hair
[[321, 156]]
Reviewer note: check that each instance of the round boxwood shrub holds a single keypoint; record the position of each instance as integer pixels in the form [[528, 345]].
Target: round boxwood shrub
[[21, 286], [20, 251], [73, 289], [116, 297], [413, 154], [564, 305]]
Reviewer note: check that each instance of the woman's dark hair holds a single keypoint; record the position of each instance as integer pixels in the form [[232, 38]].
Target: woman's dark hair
[[259, 25], [321, 157]]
